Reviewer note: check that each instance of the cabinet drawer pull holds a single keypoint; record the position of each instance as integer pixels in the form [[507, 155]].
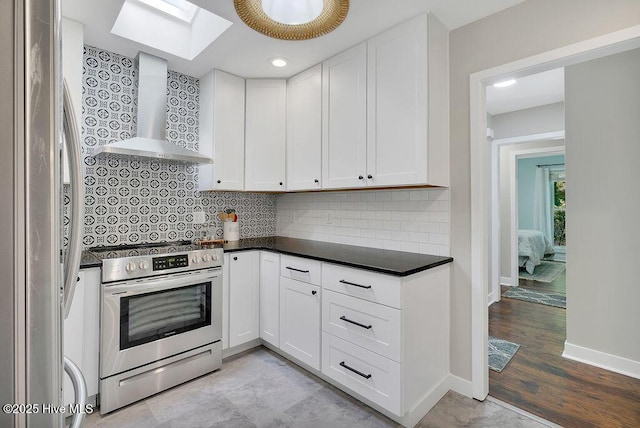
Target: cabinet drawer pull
[[354, 284], [297, 270], [343, 318], [314, 292], [366, 376]]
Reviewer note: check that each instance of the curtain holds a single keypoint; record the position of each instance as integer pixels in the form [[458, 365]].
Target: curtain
[[542, 209]]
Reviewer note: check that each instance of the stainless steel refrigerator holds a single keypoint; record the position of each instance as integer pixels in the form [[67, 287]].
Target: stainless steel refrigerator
[[32, 288]]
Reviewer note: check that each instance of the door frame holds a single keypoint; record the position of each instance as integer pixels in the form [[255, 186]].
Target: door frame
[[496, 229], [480, 169]]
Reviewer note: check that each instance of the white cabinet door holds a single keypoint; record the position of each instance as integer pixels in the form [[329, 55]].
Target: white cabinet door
[[225, 301], [300, 321], [270, 297], [397, 105], [265, 134], [221, 119], [344, 119], [304, 120], [81, 332], [244, 297]]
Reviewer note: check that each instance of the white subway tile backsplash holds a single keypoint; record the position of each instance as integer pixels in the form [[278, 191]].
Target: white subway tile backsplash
[[403, 220]]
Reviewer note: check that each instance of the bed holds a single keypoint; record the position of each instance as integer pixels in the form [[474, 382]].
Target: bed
[[532, 248]]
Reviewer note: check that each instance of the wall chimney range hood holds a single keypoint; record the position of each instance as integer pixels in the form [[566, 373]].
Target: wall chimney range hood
[[150, 140]]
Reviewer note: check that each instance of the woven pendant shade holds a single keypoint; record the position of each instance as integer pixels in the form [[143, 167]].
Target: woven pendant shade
[[332, 15]]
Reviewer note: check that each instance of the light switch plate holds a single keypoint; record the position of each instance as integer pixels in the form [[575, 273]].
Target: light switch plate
[[199, 217]]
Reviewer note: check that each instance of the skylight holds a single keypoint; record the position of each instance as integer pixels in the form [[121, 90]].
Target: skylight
[[177, 27], [180, 9]]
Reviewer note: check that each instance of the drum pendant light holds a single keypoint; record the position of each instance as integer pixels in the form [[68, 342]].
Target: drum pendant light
[[292, 19]]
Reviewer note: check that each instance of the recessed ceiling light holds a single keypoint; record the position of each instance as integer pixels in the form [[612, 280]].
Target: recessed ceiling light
[[504, 83], [278, 62]]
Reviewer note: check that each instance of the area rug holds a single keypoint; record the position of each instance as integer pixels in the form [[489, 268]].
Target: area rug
[[557, 300], [544, 272], [500, 353]]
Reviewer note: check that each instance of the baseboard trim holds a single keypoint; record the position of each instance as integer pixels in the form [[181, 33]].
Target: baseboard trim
[[461, 386], [490, 300], [506, 281], [430, 399], [602, 360]]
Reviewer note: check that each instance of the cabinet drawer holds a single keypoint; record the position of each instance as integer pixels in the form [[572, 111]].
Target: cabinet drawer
[[364, 372], [374, 287], [374, 327], [300, 269]]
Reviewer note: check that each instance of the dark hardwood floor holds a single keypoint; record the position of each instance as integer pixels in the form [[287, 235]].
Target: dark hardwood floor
[[539, 380]]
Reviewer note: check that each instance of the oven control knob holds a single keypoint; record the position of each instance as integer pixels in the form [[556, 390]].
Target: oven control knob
[[214, 256], [130, 267], [195, 259], [144, 265], [206, 258]]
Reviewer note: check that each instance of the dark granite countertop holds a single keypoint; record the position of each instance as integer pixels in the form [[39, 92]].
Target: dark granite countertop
[[396, 263]]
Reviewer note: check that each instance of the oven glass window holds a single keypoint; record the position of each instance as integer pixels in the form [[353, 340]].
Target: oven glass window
[[148, 317]]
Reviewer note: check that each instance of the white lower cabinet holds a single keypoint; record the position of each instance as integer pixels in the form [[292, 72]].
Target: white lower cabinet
[[386, 338], [270, 297], [367, 373], [244, 297], [300, 321], [81, 332], [369, 325]]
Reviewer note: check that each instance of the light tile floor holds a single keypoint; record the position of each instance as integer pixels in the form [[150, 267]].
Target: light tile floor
[[259, 388]]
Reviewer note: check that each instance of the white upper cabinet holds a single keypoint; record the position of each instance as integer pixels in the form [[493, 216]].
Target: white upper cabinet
[[385, 115], [304, 119], [397, 105], [344, 119], [265, 134], [222, 98]]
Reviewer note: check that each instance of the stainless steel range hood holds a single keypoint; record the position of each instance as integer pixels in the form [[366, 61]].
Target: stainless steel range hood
[[150, 141]]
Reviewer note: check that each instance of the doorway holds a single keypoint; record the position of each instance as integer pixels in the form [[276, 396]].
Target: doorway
[[480, 179]]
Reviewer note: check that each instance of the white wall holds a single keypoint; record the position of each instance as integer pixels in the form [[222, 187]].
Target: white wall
[[529, 28], [536, 120], [404, 220], [603, 108]]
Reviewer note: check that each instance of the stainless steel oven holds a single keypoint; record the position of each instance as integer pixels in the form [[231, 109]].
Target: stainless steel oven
[[160, 326]]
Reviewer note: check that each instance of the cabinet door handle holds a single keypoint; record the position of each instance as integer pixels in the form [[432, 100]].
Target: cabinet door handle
[[314, 292], [281, 183], [219, 181], [369, 176], [354, 284], [297, 270], [235, 258], [366, 376], [343, 318], [316, 181], [360, 177]]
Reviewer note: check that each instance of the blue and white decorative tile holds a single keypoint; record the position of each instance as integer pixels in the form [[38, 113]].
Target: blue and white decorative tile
[[131, 201]]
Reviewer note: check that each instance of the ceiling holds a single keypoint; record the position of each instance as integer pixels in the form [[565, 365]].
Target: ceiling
[[530, 91], [244, 52]]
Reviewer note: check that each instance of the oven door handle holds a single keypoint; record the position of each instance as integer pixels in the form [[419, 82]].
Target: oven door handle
[[161, 284]]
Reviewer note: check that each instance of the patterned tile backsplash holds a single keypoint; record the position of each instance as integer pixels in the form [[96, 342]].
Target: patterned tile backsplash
[[131, 201]]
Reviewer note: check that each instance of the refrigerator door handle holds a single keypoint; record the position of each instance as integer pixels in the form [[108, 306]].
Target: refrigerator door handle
[[80, 392], [74, 252]]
